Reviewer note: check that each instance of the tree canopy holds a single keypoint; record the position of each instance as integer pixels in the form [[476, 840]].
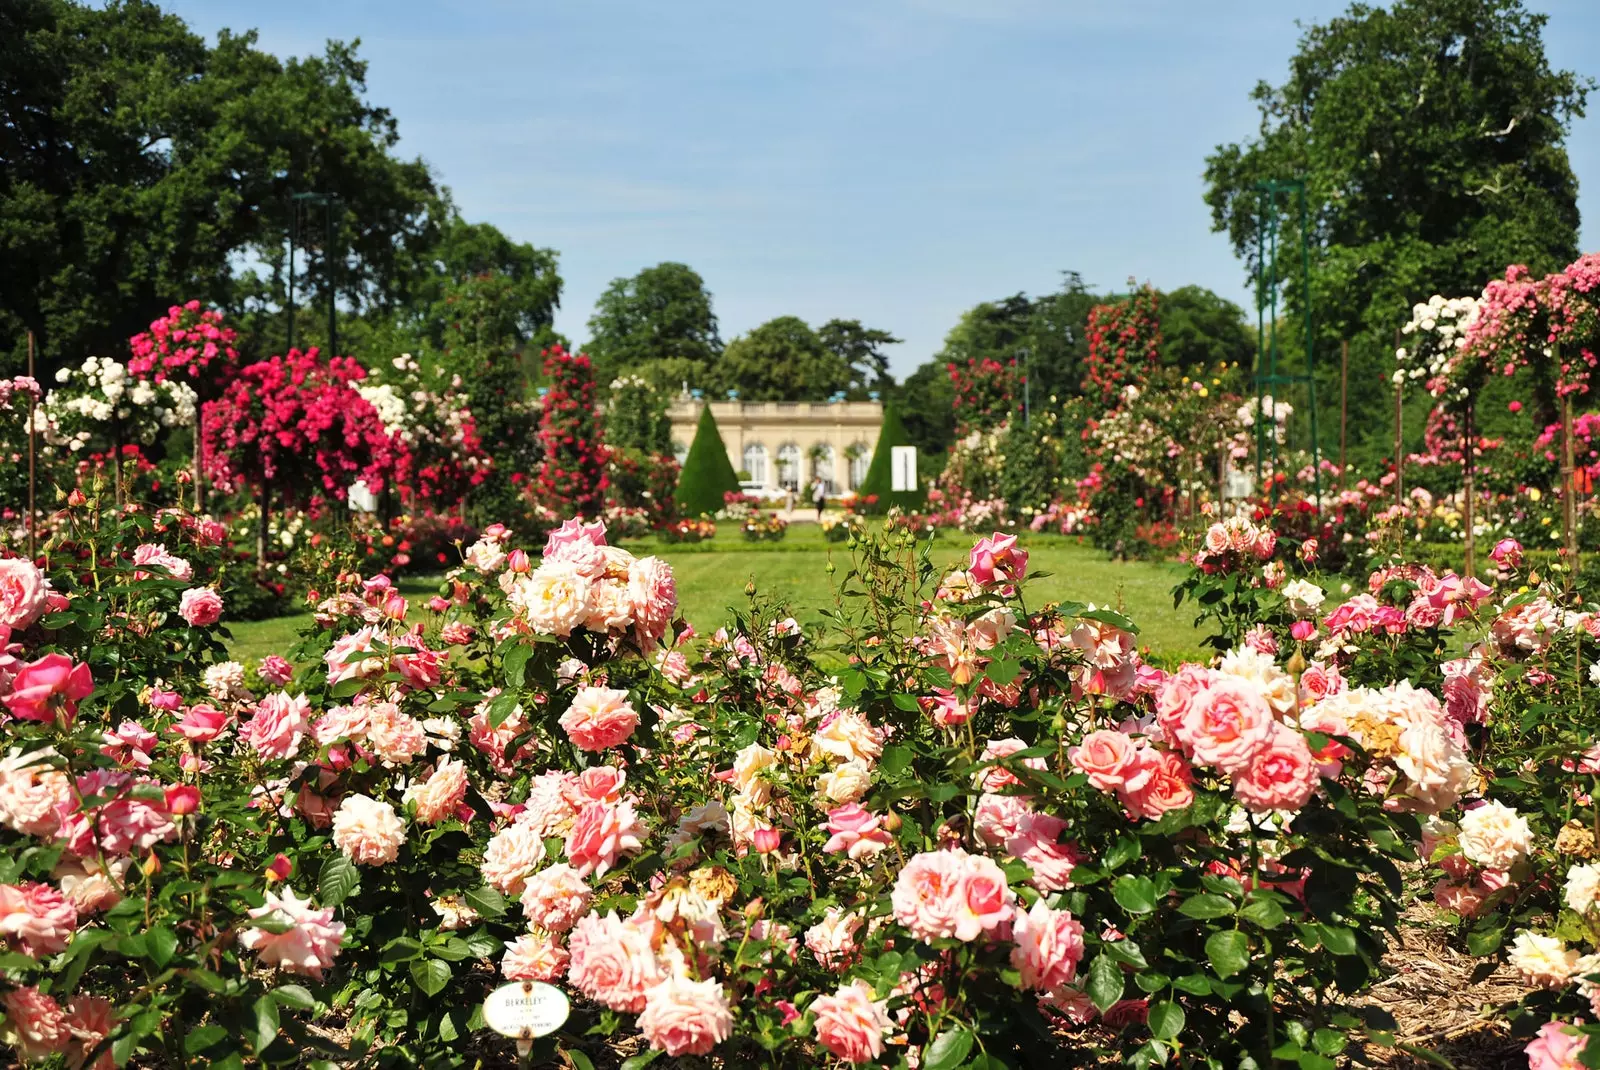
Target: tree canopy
[[658, 324], [1431, 139], [1199, 329], [781, 360], [861, 349]]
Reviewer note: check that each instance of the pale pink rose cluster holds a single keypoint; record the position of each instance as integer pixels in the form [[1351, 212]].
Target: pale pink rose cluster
[[584, 583], [441, 795], [156, 554], [368, 830], [1147, 780], [1420, 757], [599, 718], [33, 792], [851, 1024], [309, 943], [38, 1027], [952, 894], [1234, 543], [370, 652], [36, 919], [375, 729], [129, 818], [1527, 628], [1226, 721]]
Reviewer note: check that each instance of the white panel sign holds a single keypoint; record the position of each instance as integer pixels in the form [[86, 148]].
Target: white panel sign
[[361, 498], [903, 468]]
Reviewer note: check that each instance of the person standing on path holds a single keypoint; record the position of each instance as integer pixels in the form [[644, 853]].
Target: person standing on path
[[819, 496]]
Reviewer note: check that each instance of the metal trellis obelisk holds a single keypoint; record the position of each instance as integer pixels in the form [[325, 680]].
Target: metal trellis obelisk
[[1271, 276]]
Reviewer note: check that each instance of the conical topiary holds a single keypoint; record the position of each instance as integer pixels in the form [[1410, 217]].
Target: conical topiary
[[880, 474], [707, 474]]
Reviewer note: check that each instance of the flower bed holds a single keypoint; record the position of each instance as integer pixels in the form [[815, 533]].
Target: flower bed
[[992, 835]]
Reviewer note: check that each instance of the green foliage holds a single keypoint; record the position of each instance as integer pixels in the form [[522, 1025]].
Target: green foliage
[[658, 324], [861, 349], [781, 360], [1430, 135], [636, 416], [926, 403], [880, 473], [1200, 330], [707, 473]]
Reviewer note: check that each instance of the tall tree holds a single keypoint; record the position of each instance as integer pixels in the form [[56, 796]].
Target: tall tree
[[781, 360], [1200, 329], [1430, 135], [1045, 335], [138, 164], [861, 349], [658, 323]]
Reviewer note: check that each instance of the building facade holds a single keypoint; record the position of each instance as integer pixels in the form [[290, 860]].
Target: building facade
[[785, 444]]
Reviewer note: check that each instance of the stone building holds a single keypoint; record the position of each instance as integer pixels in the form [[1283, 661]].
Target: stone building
[[778, 444]]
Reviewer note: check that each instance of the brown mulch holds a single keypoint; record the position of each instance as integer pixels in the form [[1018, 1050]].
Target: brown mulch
[[1444, 1002]]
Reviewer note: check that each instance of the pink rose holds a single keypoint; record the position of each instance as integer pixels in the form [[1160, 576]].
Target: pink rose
[[949, 710], [1049, 947], [23, 591], [182, 799], [200, 606], [612, 962], [275, 670], [684, 1017], [437, 798], [511, 857], [534, 957], [601, 834], [201, 723], [38, 1028], [599, 717], [1555, 1048], [38, 917], [1166, 783], [1177, 694], [90, 1019], [997, 557], [555, 898], [277, 726], [1507, 553], [652, 595], [1281, 775], [856, 831], [367, 831], [601, 783], [310, 943], [49, 690], [571, 533], [851, 1024], [1037, 842], [951, 894], [1228, 724], [130, 745], [156, 554], [1106, 757]]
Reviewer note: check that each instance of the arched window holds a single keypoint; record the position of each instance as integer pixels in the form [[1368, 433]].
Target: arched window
[[789, 466], [822, 466], [680, 451], [755, 462], [860, 459]]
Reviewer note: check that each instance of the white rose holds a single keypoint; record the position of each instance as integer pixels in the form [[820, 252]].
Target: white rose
[[1583, 887], [1495, 836], [1542, 960]]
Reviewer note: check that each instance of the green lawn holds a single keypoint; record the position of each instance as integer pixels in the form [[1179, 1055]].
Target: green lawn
[[712, 578]]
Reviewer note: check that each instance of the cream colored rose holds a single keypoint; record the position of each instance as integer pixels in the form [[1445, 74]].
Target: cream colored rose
[[1542, 960], [1583, 887], [748, 763], [1495, 836], [553, 598], [848, 737], [845, 783], [1275, 685]]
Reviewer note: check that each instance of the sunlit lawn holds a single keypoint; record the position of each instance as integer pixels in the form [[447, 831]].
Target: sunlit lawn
[[712, 577]]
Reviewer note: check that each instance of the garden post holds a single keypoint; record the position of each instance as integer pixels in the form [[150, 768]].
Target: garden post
[[1469, 449], [1344, 400], [33, 510], [1399, 435], [264, 501], [1569, 481]]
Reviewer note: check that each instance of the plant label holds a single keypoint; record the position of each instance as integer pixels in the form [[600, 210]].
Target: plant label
[[526, 1009]]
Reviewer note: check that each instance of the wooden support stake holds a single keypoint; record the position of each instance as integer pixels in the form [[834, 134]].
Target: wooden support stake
[[1469, 452], [1399, 435], [33, 509]]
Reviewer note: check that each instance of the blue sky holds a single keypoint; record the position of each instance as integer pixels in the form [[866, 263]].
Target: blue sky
[[893, 161]]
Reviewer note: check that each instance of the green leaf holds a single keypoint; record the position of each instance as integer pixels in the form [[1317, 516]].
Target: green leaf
[[266, 1023], [579, 1060], [516, 664], [1137, 895], [1125, 850], [896, 760], [1003, 672], [1229, 952], [1338, 939], [161, 944], [1196, 984], [1166, 1020], [1125, 951], [1206, 905], [295, 997], [1105, 982], [1484, 941], [639, 1062], [400, 949], [338, 879], [1264, 912], [487, 901], [202, 1038], [501, 708], [948, 1050], [430, 975]]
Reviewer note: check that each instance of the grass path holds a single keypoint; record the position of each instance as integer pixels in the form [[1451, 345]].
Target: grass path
[[712, 577]]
